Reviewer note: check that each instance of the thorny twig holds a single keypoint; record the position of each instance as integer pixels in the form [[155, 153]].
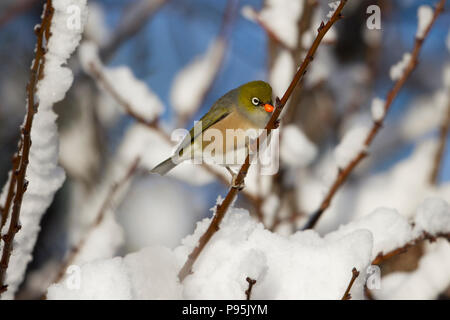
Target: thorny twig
[[43, 35], [347, 295], [107, 202], [443, 132], [251, 283], [222, 208], [377, 125]]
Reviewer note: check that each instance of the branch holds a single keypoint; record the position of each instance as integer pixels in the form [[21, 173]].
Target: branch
[[98, 75], [43, 35], [443, 132], [377, 125], [111, 195], [347, 295], [251, 283], [232, 193], [381, 257]]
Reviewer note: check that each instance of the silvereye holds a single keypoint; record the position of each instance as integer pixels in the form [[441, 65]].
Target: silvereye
[[246, 107]]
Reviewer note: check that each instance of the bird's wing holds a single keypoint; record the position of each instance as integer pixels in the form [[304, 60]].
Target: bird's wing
[[221, 109]]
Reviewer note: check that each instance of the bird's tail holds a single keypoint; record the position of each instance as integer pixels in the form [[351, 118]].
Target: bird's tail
[[164, 167]]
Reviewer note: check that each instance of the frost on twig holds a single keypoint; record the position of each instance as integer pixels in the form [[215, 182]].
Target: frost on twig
[[38, 176]]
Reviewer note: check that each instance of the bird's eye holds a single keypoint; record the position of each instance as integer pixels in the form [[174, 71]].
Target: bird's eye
[[255, 101]]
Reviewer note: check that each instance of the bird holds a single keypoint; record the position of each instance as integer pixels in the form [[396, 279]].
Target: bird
[[247, 107]]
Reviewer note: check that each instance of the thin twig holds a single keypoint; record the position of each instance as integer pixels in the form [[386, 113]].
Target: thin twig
[[251, 283], [222, 208], [381, 257], [107, 202], [443, 132], [43, 34], [377, 125], [347, 295]]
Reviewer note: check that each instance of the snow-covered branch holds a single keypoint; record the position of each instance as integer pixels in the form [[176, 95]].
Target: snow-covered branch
[[37, 175], [358, 153]]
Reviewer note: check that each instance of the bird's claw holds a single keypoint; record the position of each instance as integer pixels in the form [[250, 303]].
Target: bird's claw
[[235, 185]]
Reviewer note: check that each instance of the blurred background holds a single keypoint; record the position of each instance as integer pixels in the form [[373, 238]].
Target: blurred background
[[157, 41]]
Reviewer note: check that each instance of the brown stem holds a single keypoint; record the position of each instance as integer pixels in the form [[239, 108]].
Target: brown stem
[[381, 257], [347, 295], [222, 208], [43, 34], [443, 132], [251, 283], [377, 125], [11, 191]]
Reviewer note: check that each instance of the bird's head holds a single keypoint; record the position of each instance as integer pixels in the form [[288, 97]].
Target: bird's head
[[256, 98]]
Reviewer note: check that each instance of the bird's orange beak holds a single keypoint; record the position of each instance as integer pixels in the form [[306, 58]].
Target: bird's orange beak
[[268, 107]]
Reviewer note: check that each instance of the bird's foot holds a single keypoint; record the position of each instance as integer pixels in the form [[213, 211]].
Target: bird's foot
[[234, 183]]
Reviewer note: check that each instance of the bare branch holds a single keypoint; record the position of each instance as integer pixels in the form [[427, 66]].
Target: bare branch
[[251, 283], [347, 295], [377, 125], [223, 207]]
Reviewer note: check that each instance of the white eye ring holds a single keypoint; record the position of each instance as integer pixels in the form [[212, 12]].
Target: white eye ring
[[255, 101]]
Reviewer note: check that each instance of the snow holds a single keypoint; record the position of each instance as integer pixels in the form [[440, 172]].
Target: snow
[[433, 217], [333, 6], [397, 70], [44, 175], [424, 115], [390, 230], [282, 72], [193, 81], [96, 29], [249, 13], [425, 16], [298, 266], [140, 98], [350, 146], [158, 211], [296, 150], [283, 16], [426, 282], [377, 109], [148, 274], [103, 242]]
